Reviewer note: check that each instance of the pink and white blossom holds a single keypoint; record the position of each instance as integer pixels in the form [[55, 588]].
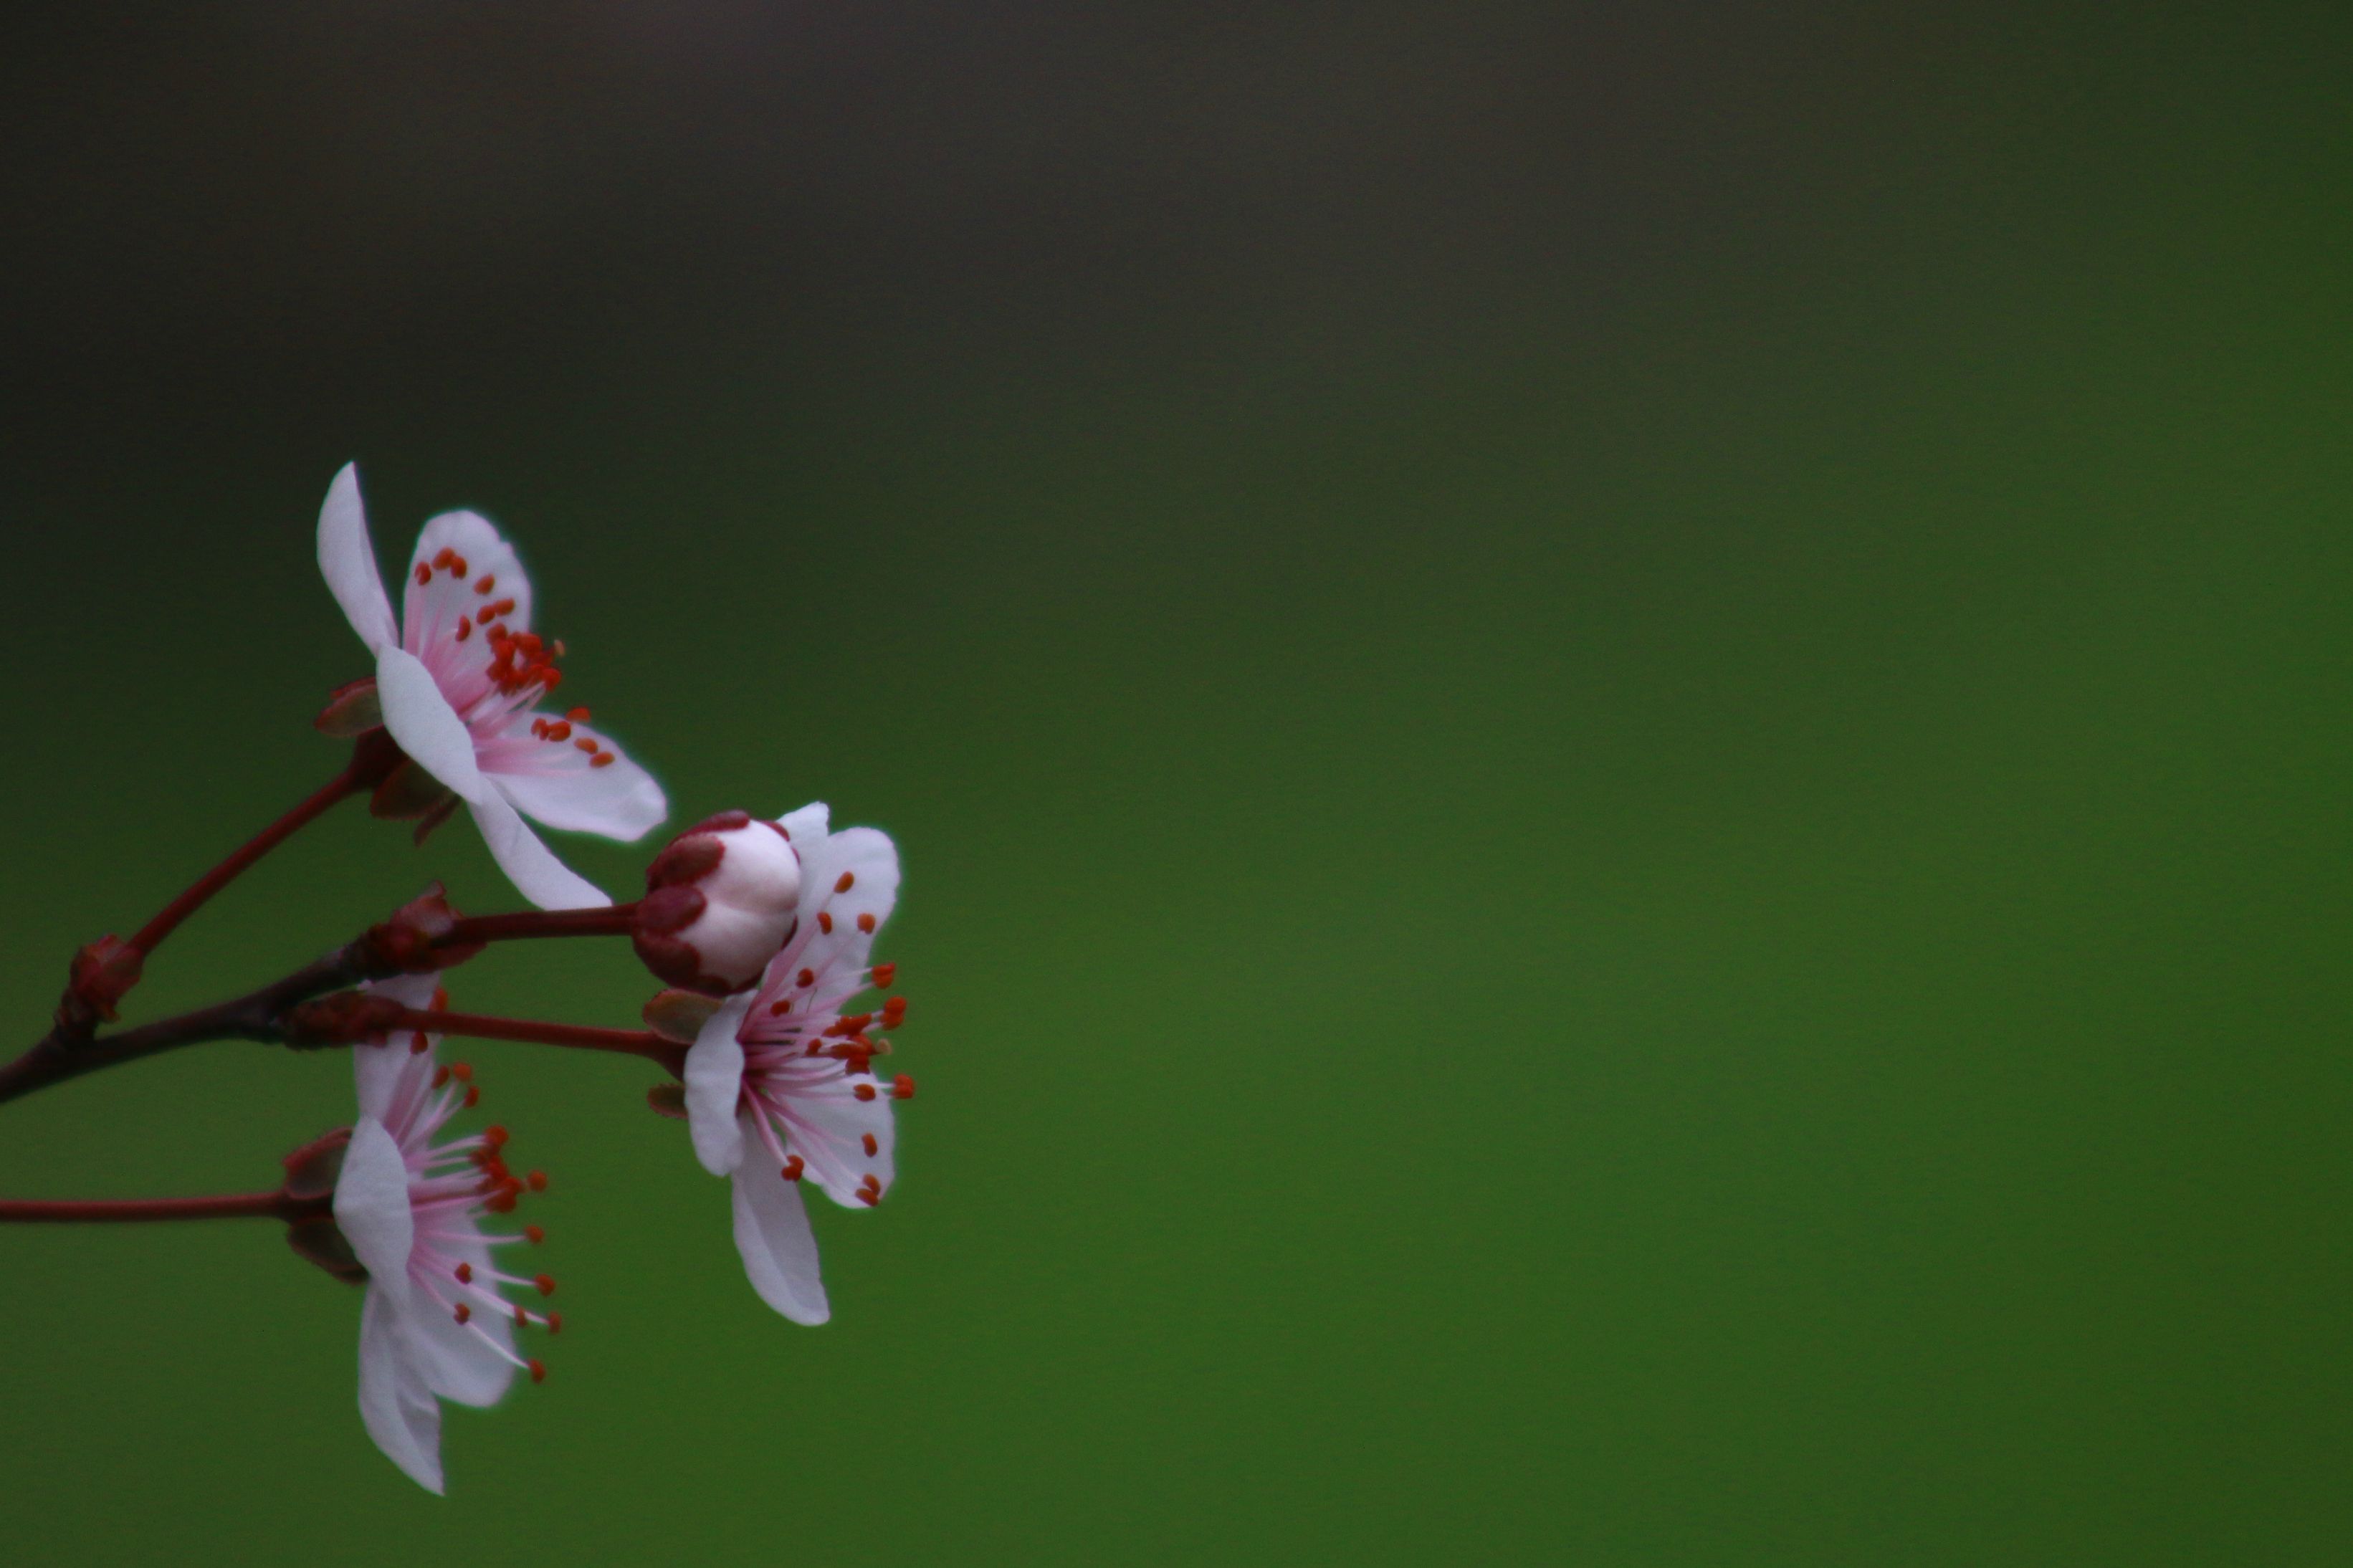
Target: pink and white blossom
[[461, 677], [435, 1323], [780, 1086]]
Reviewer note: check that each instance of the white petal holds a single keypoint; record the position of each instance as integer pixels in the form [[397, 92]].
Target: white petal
[[371, 1208], [432, 610], [835, 1146], [394, 1403], [376, 1071], [714, 1082], [806, 826], [376, 1067], [420, 716], [347, 560], [529, 864], [837, 926], [456, 1363], [557, 783], [772, 1232]]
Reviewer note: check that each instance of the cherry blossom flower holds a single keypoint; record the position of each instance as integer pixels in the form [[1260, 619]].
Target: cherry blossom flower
[[435, 1321], [780, 1087], [459, 679]]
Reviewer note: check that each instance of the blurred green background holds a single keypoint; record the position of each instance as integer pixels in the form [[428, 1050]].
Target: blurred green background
[[1619, 737]]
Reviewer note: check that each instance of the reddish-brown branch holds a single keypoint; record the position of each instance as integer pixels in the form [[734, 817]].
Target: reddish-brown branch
[[257, 1016], [613, 920], [532, 1031], [348, 783], [120, 1211]]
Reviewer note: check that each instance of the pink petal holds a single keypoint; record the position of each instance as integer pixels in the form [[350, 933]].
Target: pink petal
[[714, 1083], [772, 1232], [347, 560], [396, 1406], [419, 716], [371, 1208], [562, 784], [435, 606], [529, 864]]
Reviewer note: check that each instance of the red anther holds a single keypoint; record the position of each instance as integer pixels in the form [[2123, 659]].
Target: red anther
[[815, 1047], [441, 997], [464, 1274], [601, 760], [545, 1284], [903, 1087], [522, 1319], [792, 1168], [894, 1012], [863, 1091], [866, 923], [558, 729], [533, 1235], [424, 574], [538, 1371], [884, 975], [846, 881], [488, 582], [778, 1008], [577, 715], [555, 1322], [457, 565], [465, 628], [462, 1071], [536, 1181], [870, 1146], [494, 1136], [419, 1043], [503, 607], [807, 978], [872, 1200], [585, 744], [824, 922], [464, 1312], [500, 1202], [473, 1096], [441, 1077]]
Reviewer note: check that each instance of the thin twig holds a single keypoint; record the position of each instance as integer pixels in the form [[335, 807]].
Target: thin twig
[[257, 1016]]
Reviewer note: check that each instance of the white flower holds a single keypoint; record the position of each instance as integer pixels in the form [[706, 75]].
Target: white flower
[[459, 679], [780, 1087], [434, 1322]]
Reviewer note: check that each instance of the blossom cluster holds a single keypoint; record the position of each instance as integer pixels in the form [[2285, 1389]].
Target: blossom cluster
[[762, 929]]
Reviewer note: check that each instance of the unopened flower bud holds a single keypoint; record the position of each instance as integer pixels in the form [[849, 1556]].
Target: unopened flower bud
[[412, 940], [100, 975], [720, 903]]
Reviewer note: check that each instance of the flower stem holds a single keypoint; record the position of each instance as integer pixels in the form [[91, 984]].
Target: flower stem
[[344, 785], [118, 1211], [613, 920], [257, 1016], [532, 1031]]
